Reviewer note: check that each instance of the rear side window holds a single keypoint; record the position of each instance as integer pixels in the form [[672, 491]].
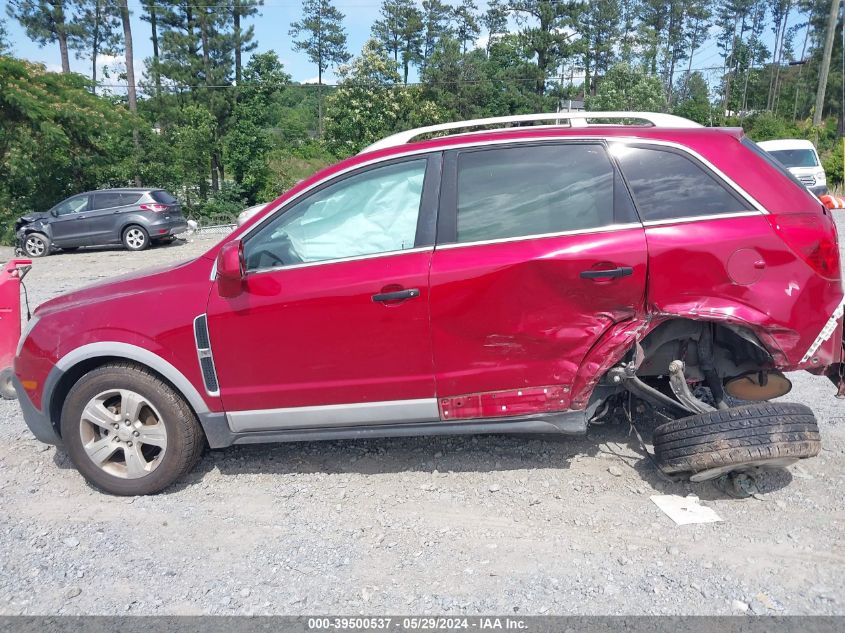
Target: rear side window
[[163, 197], [109, 199], [521, 191], [668, 185]]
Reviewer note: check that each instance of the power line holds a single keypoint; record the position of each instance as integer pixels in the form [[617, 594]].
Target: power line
[[410, 84]]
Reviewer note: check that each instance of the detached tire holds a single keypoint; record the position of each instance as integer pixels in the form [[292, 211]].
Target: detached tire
[[128, 432], [710, 444]]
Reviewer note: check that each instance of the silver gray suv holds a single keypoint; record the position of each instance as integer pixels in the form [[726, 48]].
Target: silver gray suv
[[135, 218]]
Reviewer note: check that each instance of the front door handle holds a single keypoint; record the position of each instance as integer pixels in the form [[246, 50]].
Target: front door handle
[[398, 295], [621, 271]]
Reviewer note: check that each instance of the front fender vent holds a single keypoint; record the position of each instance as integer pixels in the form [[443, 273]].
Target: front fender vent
[[209, 374]]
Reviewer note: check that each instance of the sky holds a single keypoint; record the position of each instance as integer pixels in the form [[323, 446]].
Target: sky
[[271, 33]]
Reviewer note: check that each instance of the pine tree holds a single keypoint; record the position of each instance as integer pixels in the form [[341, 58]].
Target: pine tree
[[435, 18], [544, 25], [101, 25], [243, 38], [399, 31], [323, 39], [467, 29], [48, 21]]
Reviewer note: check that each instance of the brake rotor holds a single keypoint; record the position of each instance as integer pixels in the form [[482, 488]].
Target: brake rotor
[[758, 386]]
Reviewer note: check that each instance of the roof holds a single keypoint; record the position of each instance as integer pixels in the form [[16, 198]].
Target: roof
[[786, 143]]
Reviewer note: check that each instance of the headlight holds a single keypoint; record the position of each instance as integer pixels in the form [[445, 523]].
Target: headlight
[[820, 178], [26, 331]]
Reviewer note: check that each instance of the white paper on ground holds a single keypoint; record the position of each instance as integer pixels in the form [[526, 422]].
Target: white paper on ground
[[684, 510]]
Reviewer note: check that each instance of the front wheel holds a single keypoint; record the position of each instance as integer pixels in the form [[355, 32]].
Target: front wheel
[[36, 245], [765, 435], [128, 432], [135, 238]]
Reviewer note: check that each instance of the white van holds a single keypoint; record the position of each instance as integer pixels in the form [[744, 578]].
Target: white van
[[801, 158]]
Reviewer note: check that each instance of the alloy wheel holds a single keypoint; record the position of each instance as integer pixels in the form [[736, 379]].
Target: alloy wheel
[[123, 434], [34, 246], [135, 238]]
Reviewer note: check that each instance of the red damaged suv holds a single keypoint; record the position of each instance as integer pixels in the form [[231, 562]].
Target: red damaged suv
[[508, 277]]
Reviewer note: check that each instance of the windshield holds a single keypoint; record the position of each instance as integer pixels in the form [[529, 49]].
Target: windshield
[[796, 157]]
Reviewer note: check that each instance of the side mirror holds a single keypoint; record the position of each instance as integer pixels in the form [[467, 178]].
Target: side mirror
[[54, 213], [231, 268]]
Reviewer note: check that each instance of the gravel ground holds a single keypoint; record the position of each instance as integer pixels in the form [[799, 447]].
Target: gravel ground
[[461, 525]]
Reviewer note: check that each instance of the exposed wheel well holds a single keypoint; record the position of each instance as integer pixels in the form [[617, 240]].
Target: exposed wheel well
[[72, 376], [728, 349]]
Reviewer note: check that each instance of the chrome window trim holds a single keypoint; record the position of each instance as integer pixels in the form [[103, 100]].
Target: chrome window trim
[[510, 141], [335, 415], [340, 260], [698, 218], [610, 228]]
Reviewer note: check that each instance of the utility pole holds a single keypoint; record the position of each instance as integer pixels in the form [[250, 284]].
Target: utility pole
[[825, 68]]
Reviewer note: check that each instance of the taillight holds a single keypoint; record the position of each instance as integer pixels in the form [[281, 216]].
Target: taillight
[[813, 238], [158, 208]]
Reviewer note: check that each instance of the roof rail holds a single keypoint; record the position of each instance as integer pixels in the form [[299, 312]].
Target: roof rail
[[575, 119]]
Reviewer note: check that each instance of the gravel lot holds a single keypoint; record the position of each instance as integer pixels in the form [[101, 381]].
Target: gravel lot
[[467, 525]]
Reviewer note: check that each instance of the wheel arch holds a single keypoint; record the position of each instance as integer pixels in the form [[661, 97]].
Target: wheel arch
[[129, 223], [75, 364], [622, 341]]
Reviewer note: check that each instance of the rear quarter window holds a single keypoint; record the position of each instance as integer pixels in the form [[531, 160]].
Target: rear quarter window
[[163, 197], [129, 198], [668, 185]]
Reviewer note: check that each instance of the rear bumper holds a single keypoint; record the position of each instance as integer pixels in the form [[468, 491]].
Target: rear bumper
[[168, 227], [39, 423]]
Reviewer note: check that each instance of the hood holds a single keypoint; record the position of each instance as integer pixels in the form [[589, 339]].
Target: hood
[[147, 281], [31, 217]]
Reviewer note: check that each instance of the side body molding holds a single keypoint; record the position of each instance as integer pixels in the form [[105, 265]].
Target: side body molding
[[130, 352]]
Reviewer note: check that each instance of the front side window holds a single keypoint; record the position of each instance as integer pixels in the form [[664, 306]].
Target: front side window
[[667, 185], [368, 213], [72, 205], [535, 190]]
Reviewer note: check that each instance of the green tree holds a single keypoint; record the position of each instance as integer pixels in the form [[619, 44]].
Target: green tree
[[599, 31], [692, 99], [248, 141], [435, 18], [151, 13], [626, 88], [323, 40], [367, 103], [101, 32], [48, 21], [5, 44], [399, 32], [50, 123], [545, 32], [465, 17], [243, 38]]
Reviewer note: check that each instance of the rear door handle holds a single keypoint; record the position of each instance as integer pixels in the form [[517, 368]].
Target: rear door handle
[[622, 271], [398, 295]]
